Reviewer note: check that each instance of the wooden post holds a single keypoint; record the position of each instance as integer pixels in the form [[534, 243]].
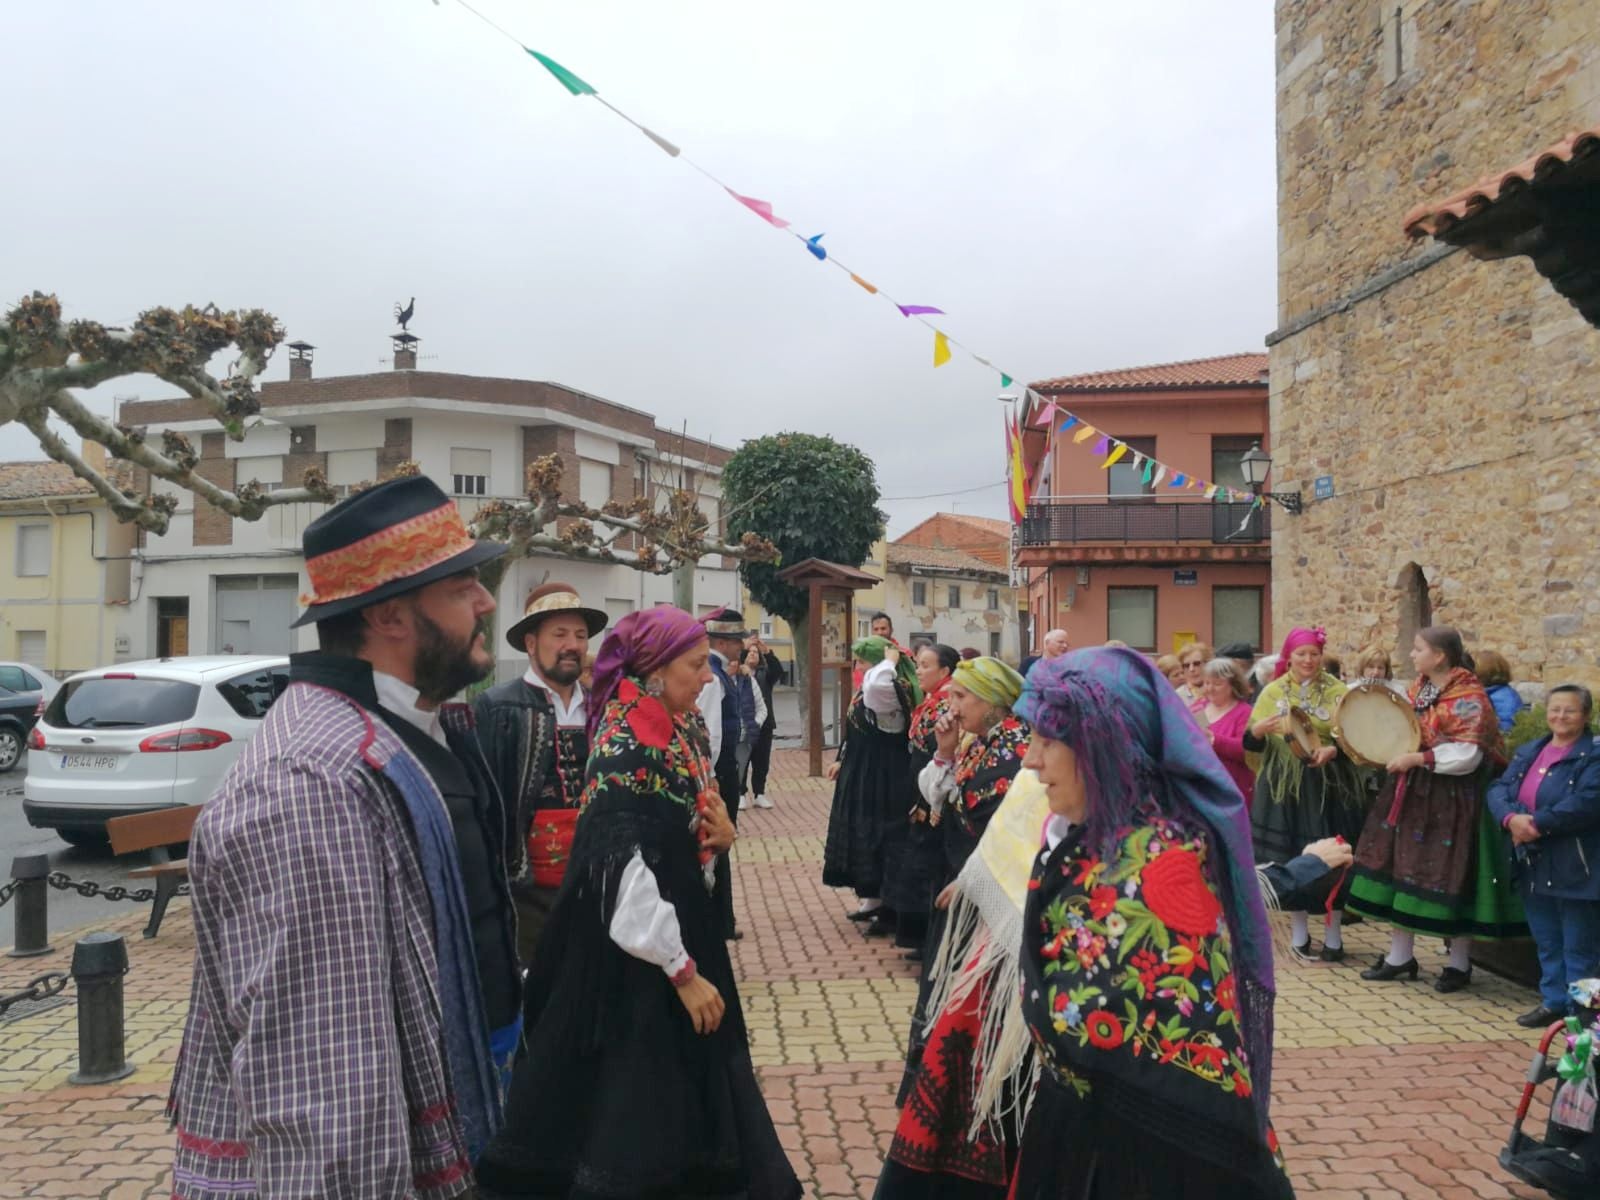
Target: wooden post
[[814, 677]]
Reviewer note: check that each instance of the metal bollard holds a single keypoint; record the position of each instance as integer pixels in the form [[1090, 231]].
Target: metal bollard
[[31, 905], [99, 961]]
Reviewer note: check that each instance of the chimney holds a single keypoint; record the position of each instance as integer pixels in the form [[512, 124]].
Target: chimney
[[405, 351], [300, 360]]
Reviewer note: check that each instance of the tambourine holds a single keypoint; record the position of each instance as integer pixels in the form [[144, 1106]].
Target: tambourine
[[1374, 724], [1300, 733]]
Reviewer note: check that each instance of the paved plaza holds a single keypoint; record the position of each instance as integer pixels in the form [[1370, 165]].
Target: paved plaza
[[1381, 1091]]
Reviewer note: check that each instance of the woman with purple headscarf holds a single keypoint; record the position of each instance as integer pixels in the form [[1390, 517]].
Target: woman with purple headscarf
[[637, 1078], [1146, 955]]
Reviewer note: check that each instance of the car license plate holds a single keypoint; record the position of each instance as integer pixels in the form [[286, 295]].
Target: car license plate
[[88, 762]]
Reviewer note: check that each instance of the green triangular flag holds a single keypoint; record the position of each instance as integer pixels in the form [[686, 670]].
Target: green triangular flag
[[1145, 478], [568, 80], [1005, 380]]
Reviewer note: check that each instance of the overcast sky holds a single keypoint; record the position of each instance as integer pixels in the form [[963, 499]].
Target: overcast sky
[[1079, 186]]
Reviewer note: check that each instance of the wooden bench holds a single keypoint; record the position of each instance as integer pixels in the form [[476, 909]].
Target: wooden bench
[[156, 832]]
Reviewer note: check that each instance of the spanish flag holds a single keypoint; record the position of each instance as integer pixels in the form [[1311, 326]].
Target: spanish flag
[[1016, 474]]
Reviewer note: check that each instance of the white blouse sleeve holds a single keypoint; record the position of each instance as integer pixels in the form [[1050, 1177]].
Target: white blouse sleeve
[[878, 694], [644, 924], [1456, 758], [937, 782]]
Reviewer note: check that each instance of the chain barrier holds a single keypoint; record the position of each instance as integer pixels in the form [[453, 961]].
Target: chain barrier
[[89, 888], [42, 988], [6, 892]]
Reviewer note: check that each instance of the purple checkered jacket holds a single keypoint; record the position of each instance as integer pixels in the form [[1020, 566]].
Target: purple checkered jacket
[[313, 1063]]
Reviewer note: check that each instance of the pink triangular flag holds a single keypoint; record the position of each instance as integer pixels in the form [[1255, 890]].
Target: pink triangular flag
[[761, 208]]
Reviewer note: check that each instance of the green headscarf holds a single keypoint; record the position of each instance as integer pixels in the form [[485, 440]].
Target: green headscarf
[[870, 650], [990, 680]]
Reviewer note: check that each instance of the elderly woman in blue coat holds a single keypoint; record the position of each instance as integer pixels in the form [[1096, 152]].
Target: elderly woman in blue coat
[[1548, 800]]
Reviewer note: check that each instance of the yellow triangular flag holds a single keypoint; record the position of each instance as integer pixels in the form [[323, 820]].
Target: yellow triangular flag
[[941, 349], [1084, 434], [1211, 492], [1192, 483], [1121, 449], [864, 283]]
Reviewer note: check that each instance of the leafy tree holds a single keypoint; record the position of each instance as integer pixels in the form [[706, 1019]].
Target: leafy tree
[[810, 497]]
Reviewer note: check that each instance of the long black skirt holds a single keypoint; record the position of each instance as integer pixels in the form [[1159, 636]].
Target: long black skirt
[[873, 792]]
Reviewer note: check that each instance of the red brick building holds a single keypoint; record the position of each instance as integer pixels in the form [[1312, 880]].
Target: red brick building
[[1109, 556]]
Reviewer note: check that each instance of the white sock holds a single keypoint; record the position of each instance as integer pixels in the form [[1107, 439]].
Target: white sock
[[1402, 948], [870, 906], [1332, 932], [1461, 953], [1299, 926]]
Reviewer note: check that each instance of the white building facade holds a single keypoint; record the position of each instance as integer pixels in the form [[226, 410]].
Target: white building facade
[[213, 584]]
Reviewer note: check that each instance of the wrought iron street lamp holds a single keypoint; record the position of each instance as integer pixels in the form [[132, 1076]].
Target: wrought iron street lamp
[[1256, 464]]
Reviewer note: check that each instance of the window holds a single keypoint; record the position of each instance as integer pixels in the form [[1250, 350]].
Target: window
[[594, 482], [33, 549], [1123, 481], [919, 594], [172, 626], [863, 627], [953, 595], [994, 599], [15, 679], [766, 628], [347, 467], [994, 645], [266, 469], [1236, 616], [1131, 616], [31, 645], [469, 469], [122, 703], [1225, 455], [252, 695]]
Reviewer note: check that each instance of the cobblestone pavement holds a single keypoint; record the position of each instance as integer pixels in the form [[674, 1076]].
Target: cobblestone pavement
[[1381, 1091]]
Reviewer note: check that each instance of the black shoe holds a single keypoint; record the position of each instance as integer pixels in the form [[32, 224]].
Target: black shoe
[[1332, 954], [1302, 951], [1539, 1018], [1452, 980], [1351, 918], [880, 929], [869, 914], [914, 956], [1384, 970]]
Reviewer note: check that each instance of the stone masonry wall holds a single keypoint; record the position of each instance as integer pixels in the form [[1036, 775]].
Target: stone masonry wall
[[1457, 408]]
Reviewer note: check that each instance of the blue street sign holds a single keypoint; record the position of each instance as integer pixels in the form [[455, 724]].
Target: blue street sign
[[1323, 487]]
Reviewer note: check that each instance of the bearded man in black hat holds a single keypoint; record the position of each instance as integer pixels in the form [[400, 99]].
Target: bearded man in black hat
[[533, 732], [356, 997]]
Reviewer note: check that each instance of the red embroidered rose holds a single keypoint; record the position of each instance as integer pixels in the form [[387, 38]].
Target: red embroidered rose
[[1177, 893], [1228, 993], [1101, 901], [651, 723], [1002, 786], [1207, 1059], [1105, 1031], [1241, 1086], [627, 692], [1272, 1139], [1062, 1000]]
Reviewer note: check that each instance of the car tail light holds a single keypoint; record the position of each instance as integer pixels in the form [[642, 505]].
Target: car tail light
[[184, 739], [38, 709], [119, 675], [36, 739]]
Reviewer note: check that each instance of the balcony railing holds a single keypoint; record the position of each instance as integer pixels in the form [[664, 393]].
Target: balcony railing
[[1053, 523]]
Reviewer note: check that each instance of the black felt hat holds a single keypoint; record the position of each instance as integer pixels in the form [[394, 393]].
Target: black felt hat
[[383, 542]]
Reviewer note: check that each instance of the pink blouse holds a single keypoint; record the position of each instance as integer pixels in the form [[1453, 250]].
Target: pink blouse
[[1227, 738]]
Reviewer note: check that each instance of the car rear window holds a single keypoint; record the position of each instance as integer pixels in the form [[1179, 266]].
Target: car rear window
[[122, 703]]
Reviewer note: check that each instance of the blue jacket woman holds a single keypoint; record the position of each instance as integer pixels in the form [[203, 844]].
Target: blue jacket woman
[[1549, 801]]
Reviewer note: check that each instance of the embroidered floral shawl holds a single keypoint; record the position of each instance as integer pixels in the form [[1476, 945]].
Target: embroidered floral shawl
[[986, 768], [1460, 711], [925, 716]]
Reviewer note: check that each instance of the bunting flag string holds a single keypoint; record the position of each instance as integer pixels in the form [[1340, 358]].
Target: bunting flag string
[[1034, 405]]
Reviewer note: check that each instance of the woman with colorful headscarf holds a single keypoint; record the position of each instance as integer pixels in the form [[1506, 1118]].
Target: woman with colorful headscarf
[[637, 1080], [1301, 800], [915, 869], [1431, 859], [872, 783], [1146, 956], [968, 1074]]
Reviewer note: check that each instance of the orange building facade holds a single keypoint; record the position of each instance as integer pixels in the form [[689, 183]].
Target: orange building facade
[[1110, 556]]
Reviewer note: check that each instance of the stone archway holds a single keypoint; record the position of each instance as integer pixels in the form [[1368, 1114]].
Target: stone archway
[[1416, 612]]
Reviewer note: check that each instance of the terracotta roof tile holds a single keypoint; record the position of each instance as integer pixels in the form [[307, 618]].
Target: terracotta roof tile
[[989, 525], [45, 479], [1228, 370], [1435, 218], [941, 559]]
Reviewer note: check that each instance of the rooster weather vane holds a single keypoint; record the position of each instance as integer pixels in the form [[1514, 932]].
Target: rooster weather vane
[[403, 315]]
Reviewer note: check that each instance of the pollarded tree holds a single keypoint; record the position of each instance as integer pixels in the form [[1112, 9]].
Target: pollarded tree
[[43, 360], [810, 497]]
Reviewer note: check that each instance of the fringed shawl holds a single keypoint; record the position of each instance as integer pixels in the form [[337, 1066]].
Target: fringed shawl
[[1460, 711]]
